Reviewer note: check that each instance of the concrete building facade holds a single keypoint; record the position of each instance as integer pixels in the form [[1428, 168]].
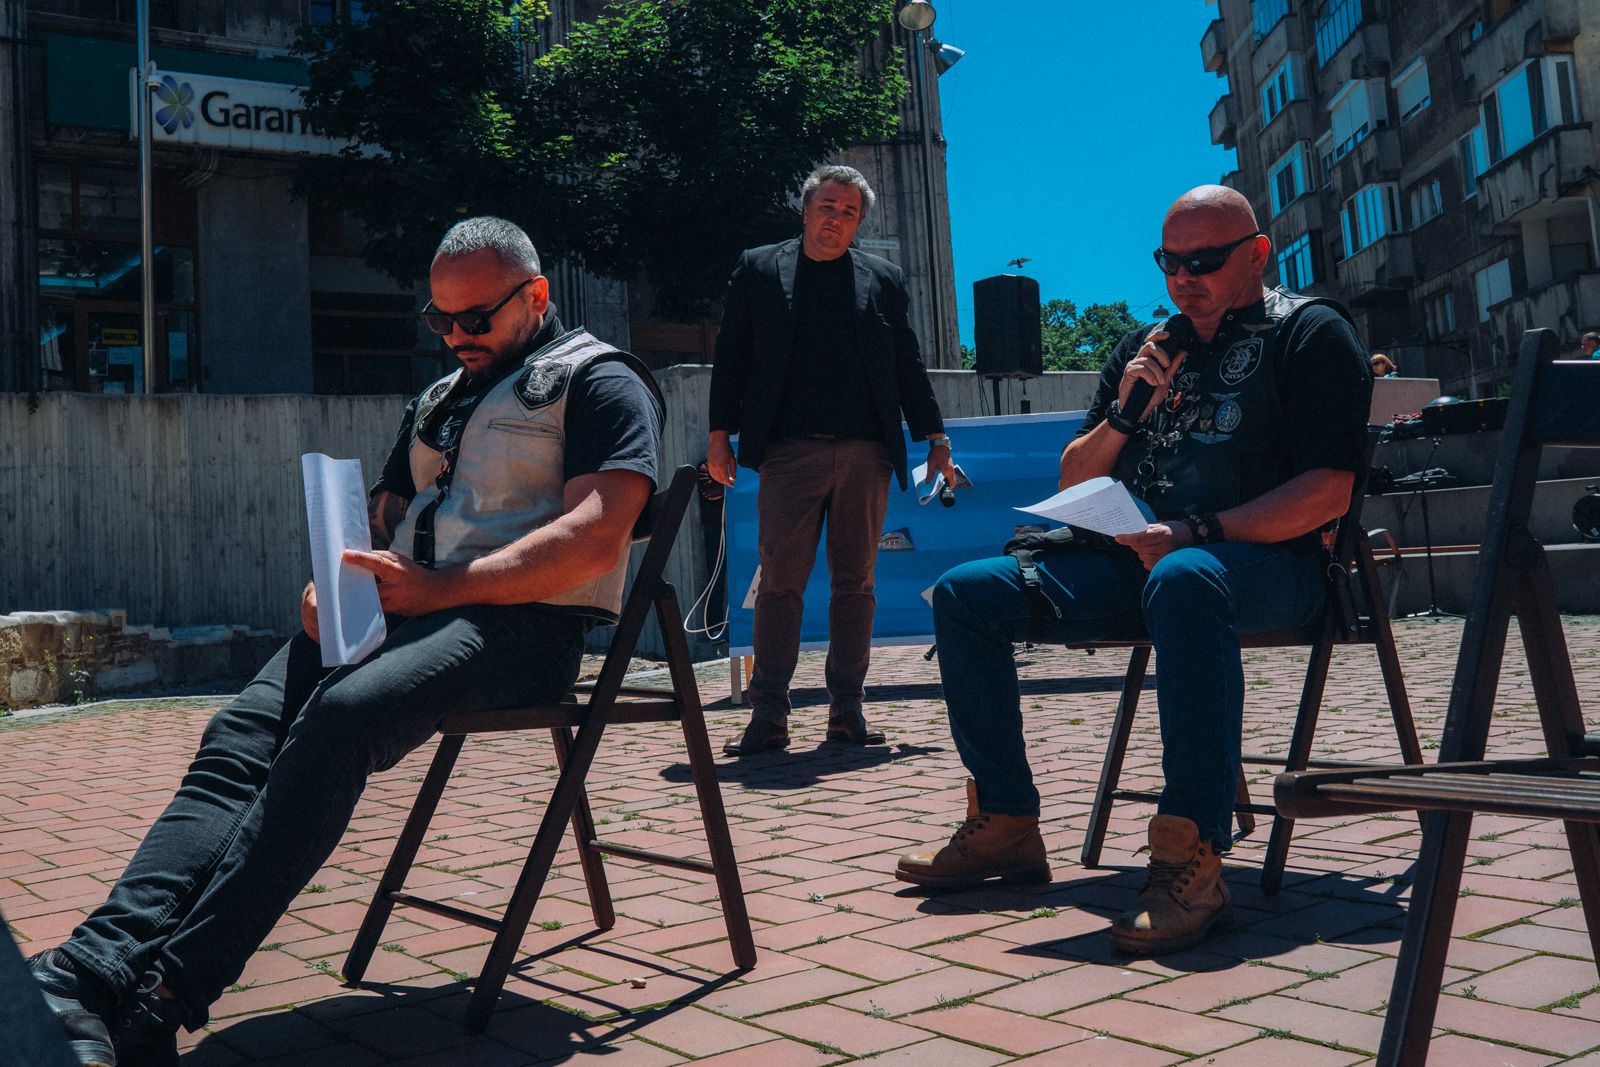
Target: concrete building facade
[[257, 291], [1430, 163]]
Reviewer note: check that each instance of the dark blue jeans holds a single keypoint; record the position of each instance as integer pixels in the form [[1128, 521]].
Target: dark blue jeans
[[277, 777], [1194, 605]]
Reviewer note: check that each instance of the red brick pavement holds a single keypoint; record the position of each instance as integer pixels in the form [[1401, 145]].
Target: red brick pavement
[[852, 964]]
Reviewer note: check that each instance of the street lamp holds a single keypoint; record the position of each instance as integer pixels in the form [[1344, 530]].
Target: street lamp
[[918, 17]]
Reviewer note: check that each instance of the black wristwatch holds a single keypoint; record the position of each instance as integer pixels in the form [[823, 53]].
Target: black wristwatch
[[1206, 528], [1114, 419]]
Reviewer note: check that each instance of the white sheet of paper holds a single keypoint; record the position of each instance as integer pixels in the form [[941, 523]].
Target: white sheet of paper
[[755, 587], [349, 617], [1100, 504]]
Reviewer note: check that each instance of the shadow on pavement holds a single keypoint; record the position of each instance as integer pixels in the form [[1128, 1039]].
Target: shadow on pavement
[[402, 1022], [797, 768]]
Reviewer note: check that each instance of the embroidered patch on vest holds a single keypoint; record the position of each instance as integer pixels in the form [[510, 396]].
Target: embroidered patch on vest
[[1242, 360]]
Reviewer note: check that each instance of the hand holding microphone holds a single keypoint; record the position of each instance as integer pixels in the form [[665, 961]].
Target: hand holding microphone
[[1180, 337]]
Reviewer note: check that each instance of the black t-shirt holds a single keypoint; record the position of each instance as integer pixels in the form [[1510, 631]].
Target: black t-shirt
[[611, 424], [825, 387], [1247, 431]]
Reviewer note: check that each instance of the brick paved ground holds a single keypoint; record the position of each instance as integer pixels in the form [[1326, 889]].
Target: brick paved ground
[[852, 965]]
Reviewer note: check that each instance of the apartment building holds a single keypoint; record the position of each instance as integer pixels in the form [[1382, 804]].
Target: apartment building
[[258, 291], [1430, 163]]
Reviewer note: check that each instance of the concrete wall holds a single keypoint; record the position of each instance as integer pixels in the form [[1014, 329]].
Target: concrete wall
[[187, 510], [255, 283]]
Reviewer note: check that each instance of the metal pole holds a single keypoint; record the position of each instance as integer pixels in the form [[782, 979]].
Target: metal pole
[[147, 257], [919, 40]]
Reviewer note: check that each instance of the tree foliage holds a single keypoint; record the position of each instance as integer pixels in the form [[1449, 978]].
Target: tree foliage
[[662, 138], [1082, 340]]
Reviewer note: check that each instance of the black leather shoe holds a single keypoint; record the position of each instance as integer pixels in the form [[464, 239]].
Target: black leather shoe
[[146, 1034], [761, 735], [853, 730], [77, 1004]]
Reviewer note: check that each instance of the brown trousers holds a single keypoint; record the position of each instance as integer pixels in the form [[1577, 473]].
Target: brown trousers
[[803, 483]]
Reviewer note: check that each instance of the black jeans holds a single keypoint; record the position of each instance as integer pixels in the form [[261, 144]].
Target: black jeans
[[277, 777]]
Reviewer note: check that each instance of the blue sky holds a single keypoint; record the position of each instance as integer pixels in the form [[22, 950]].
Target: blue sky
[[1072, 125]]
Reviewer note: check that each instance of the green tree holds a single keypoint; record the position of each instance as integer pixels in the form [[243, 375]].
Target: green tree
[[1082, 340], [662, 138]]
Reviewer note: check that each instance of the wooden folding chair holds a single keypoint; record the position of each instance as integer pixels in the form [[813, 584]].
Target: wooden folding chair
[[609, 701], [1552, 404], [1342, 623]]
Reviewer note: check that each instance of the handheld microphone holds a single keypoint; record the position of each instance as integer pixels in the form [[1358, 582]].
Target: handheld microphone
[[1180, 337], [947, 496]]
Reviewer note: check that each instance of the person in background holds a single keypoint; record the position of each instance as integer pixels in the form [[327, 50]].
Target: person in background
[[816, 361], [1590, 345], [1383, 366]]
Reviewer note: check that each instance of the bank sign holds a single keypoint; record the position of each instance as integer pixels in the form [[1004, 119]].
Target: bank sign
[[203, 109]]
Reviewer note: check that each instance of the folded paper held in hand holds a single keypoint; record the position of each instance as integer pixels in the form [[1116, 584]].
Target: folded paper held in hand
[[349, 617], [1103, 505], [927, 492]]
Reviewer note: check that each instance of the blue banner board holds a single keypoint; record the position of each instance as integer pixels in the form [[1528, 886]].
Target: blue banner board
[[1012, 460]]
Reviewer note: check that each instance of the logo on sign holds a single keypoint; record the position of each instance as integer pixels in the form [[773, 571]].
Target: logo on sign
[[175, 97]]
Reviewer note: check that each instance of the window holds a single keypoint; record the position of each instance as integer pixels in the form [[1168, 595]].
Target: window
[[1297, 262], [90, 283], [1355, 111], [1290, 178], [1426, 202], [1373, 212], [1339, 21], [327, 12], [1267, 14], [369, 343], [1439, 312], [1494, 285], [1528, 103], [1411, 87], [1280, 88], [1470, 151]]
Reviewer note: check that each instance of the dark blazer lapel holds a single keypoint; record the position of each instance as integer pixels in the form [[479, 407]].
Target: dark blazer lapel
[[788, 257], [863, 281]]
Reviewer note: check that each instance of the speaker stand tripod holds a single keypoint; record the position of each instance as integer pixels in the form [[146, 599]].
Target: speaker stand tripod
[[1429, 478]]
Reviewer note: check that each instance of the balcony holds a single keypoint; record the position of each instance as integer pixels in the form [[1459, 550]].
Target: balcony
[[1225, 121], [1296, 122], [1284, 37], [1379, 274], [1532, 177], [1214, 48], [1569, 307], [1300, 216]]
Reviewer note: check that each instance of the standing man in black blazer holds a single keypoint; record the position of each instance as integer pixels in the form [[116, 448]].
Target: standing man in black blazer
[[815, 363]]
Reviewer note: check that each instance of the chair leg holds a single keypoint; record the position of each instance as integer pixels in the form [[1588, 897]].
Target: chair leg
[[703, 767], [1414, 995], [1299, 754], [405, 853], [1394, 682], [1246, 818], [1116, 750], [589, 858]]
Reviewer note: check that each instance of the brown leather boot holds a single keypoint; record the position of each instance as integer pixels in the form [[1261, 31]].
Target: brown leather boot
[[1184, 897], [1007, 847]]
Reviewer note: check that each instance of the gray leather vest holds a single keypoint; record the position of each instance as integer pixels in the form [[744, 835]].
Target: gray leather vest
[[509, 476], [1228, 445]]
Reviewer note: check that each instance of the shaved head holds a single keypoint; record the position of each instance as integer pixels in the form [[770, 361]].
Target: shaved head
[[1214, 216], [1213, 205]]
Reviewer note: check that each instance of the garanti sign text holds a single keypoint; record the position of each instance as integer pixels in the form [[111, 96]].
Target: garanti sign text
[[227, 113]]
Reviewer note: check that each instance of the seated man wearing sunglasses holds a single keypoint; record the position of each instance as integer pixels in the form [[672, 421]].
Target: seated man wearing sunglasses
[[1247, 448], [501, 526]]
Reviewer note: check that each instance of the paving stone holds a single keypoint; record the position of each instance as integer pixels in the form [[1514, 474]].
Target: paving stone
[[1307, 1019], [831, 824]]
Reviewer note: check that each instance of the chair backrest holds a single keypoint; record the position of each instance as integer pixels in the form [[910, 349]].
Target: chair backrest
[[1553, 402], [666, 509]]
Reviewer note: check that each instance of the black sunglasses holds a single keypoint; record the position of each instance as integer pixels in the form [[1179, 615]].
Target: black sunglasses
[[1201, 260], [474, 322]]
